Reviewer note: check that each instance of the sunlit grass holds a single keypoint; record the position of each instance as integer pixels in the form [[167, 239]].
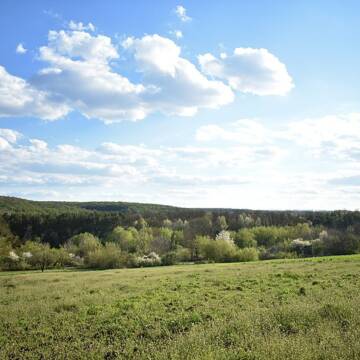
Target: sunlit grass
[[283, 309]]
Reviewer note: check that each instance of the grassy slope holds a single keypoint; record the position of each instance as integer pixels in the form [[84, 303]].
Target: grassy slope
[[294, 309]]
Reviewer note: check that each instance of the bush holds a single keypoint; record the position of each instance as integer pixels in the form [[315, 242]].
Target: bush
[[183, 254], [12, 261], [108, 256], [276, 253], [127, 239], [301, 247], [82, 244], [169, 258], [317, 247], [151, 259], [247, 254], [217, 250], [245, 238]]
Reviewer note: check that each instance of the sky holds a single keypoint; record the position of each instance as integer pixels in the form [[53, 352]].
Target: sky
[[241, 104]]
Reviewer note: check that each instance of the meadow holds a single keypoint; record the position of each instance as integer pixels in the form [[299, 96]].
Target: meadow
[[279, 309]]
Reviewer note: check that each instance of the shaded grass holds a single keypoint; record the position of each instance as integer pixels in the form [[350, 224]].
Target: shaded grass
[[293, 309]]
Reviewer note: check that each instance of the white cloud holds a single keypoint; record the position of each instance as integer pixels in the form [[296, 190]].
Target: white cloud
[[244, 131], [19, 98], [247, 169], [20, 49], [80, 26], [190, 180], [337, 136], [38, 145], [154, 53], [34, 162], [248, 70], [79, 75], [330, 142], [95, 49], [178, 34], [53, 14], [331, 137], [178, 86], [181, 13], [12, 136]]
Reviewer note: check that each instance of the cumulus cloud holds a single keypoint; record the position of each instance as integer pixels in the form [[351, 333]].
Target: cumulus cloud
[[249, 70], [19, 98], [79, 75], [180, 11], [38, 145], [20, 49], [178, 86], [11, 136]]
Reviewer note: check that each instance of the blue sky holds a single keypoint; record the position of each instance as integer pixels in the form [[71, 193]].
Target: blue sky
[[246, 104]]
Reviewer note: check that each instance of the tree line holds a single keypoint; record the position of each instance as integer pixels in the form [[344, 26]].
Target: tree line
[[32, 239]]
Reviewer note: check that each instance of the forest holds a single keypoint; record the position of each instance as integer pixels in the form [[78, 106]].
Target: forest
[[100, 235]]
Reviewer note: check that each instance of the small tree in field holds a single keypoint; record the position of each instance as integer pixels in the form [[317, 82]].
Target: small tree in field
[[82, 244], [42, 256]]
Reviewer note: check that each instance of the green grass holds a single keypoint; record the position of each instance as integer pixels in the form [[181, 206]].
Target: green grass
[[293, 309]]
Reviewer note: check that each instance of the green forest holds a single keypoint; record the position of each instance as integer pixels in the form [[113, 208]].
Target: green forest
[[101, 235]]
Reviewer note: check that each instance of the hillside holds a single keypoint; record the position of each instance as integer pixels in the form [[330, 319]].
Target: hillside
[[14, 204]]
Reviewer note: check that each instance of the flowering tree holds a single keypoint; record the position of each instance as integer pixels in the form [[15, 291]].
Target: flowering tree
[[225, 236]]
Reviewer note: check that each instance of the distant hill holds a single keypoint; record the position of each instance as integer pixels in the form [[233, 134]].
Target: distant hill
[[14, 204], [56, 221]]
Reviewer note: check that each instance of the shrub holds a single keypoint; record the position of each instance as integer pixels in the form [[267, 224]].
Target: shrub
[[162, 241], [216, 250], [301, 247], [106, 257], [82, 244], [127, 239], [276, 253], [245, 238], [64, 258], [151, 259], [183, 254], [247, 254], [317, 247], [169, 258], [12, 261]]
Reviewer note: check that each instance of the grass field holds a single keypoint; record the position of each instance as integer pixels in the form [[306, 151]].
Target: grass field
[[293, 309]]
